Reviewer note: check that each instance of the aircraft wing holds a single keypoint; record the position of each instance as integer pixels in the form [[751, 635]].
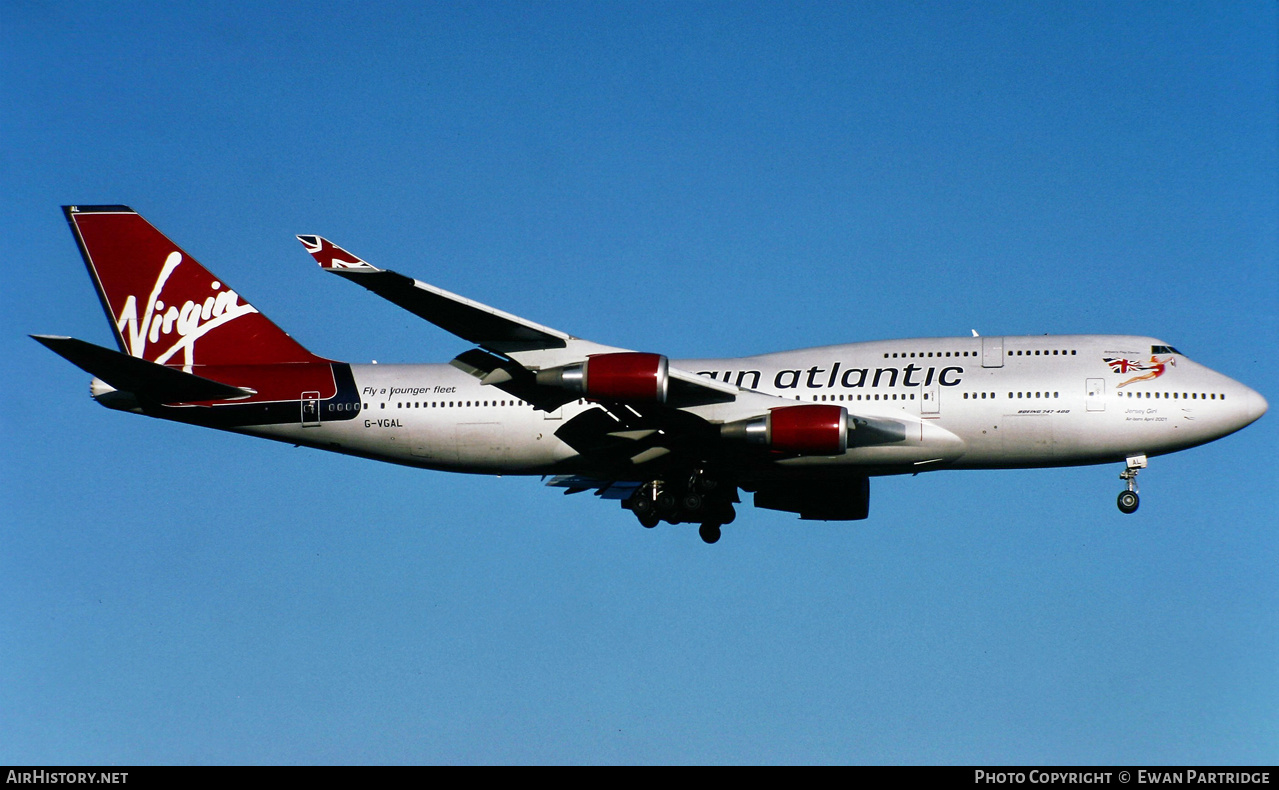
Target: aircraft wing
[[645, 411], [482, 325], [515, 349]]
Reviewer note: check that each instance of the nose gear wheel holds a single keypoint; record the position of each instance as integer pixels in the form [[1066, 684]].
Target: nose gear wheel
[[1128, 500]]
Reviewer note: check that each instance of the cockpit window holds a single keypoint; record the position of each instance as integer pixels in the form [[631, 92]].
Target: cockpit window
[[1163, 350]]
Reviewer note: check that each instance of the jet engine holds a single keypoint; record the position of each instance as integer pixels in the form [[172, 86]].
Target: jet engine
[[628, 376], [806, 429]]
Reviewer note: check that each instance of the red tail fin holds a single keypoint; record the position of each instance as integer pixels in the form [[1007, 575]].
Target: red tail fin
[[164, 305]]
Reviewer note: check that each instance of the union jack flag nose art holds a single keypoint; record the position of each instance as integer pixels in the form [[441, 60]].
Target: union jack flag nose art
[[1152, 369], [1120, 365]]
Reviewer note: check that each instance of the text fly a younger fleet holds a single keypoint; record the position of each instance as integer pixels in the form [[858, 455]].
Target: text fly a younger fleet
[[672, 440]]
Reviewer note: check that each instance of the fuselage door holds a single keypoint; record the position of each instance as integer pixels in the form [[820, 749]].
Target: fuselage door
[[310, 409], [1096, 394], [930, 399], [992, 352]]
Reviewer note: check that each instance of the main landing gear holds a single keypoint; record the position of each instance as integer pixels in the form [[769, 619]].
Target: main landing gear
[[1128, 500], [699, 499]]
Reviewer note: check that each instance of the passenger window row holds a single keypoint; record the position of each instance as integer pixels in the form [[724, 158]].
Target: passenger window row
[[1176, 395], [452, 404], [1055, 352], [928, 354], [887, 396]]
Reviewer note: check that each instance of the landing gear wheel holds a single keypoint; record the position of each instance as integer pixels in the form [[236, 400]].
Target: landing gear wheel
[[642, 507], [666, 502], [709, 532], [692, 502], [1128, 501], [649, 521]]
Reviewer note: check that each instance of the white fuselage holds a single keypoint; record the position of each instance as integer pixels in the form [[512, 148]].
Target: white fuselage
[[980, 402]]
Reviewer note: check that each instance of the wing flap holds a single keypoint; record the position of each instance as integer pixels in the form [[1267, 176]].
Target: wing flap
[[690, 389], [510, 377], [604, 489]]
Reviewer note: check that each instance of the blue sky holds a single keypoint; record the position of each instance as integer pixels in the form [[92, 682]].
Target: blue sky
[[698, 179]]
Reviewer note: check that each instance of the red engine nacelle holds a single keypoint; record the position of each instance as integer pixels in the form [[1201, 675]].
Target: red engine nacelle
[[812, 429], [627, 376], [624, 376], [807, 429]]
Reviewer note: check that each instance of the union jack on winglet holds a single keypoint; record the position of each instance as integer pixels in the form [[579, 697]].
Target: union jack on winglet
[[330, 255]]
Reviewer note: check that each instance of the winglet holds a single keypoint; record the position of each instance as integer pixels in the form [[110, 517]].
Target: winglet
[[331, 256]]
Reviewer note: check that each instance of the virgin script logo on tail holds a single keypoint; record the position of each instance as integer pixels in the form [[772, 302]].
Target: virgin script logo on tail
[[190, 321]]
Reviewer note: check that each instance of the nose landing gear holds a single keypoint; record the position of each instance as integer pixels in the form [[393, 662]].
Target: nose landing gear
[[1128, 500]]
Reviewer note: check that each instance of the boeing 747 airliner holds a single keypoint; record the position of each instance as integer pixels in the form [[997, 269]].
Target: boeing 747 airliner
[[672, 440]]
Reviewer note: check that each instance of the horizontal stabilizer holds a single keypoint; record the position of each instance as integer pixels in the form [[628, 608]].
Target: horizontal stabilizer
[[131, 374], [485, 326]]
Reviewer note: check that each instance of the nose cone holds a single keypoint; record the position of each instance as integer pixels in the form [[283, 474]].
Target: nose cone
[[1256, 406]]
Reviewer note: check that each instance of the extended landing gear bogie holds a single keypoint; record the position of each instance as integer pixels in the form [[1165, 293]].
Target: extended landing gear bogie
[[699, 500], [1128, 500]]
